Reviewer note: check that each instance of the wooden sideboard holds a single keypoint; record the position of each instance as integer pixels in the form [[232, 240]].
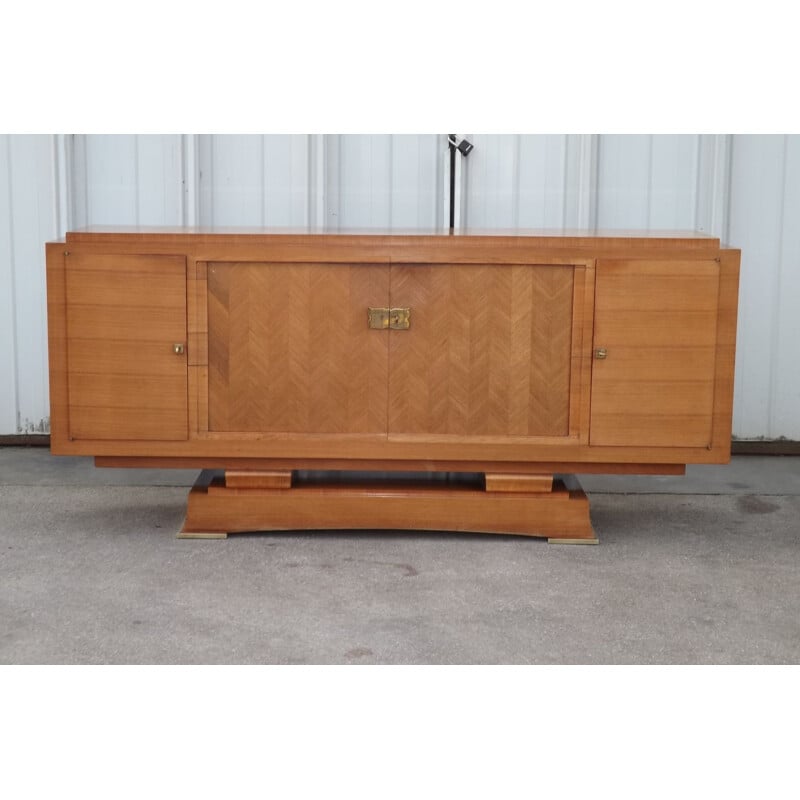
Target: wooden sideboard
[[310, 367]]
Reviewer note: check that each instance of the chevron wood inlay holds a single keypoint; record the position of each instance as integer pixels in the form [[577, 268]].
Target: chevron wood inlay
[[290, 350], [488, 351]]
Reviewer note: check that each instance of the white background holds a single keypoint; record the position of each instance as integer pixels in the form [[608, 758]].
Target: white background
[[619, 66]]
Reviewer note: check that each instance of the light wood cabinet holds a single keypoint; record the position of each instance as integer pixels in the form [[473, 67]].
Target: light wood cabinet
[[512, 355]]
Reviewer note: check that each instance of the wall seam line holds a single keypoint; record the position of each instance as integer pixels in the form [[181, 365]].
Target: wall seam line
[[775, 332], [12, 274]]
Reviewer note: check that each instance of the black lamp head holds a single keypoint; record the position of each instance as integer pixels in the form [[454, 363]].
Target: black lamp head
[[465, 147]]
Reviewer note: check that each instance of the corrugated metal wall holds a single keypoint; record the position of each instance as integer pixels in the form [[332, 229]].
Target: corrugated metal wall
[[745, 189]]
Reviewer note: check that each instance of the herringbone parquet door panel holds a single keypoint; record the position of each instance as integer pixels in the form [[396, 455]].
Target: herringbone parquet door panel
[[487, 353], [290, 350]]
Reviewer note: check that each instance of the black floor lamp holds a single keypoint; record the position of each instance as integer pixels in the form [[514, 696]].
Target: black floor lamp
[[465, 148]]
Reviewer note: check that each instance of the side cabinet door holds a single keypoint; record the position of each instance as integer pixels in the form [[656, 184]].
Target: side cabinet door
[[655, 335], [125, 316]]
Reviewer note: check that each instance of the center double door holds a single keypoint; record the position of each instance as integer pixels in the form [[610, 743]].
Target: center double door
[[490, 350]]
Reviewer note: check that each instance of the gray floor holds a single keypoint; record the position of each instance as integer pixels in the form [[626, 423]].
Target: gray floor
[[701, 569]]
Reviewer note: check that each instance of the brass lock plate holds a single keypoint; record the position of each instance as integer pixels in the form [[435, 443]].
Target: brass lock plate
[[378, 318], [398, 319]]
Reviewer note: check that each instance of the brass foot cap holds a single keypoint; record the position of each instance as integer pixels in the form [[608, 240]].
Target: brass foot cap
[[573, 541]]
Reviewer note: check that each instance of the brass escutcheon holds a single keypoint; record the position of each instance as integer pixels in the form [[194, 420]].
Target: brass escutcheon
[[398, 319], [378, 318]]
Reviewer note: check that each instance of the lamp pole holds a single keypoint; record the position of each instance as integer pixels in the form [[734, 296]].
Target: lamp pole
[[465, 148], [451, 143]]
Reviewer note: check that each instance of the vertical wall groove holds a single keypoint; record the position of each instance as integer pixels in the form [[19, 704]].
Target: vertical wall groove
[[649, 191], [11, 400], [776, 316], [758, 193], [564, 179], [515, 179], [210, 172], [696, 169], [190, 180], [727, 193], [786, 389], [60, 184], [137, 181], [585, 180], [263, 171], [317, 180], [391, 179]]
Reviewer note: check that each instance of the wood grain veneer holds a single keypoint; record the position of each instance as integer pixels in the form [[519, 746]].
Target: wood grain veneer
[[290, 350], [658, 322], [124, 316], [488, 352]]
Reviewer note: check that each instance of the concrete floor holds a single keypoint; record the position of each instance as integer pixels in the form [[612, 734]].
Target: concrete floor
[[702, 569]]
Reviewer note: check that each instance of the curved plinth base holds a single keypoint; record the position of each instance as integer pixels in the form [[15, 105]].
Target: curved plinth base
[[524, 505]]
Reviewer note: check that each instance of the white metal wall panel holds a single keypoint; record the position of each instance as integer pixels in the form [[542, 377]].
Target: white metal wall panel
[[713, 184], [673, 181], [765, 207], [383, 181], [745, 189], [647, 182], [785, 410], [159, 180], [543, 192], [365, 181], [623, 182], [30, 219], [529, 181], [358, 181], [416, 179], [255, 180], [8, 332], [127, 180], [491, 181]]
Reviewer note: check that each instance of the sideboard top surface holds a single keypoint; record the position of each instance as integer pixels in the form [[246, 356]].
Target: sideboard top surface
[[600, 242]]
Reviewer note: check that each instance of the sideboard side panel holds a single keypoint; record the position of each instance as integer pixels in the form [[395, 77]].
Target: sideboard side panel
[[57, 348], [726, 353]]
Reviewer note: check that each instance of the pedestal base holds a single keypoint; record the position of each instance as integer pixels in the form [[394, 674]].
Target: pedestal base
[[525, 505]]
